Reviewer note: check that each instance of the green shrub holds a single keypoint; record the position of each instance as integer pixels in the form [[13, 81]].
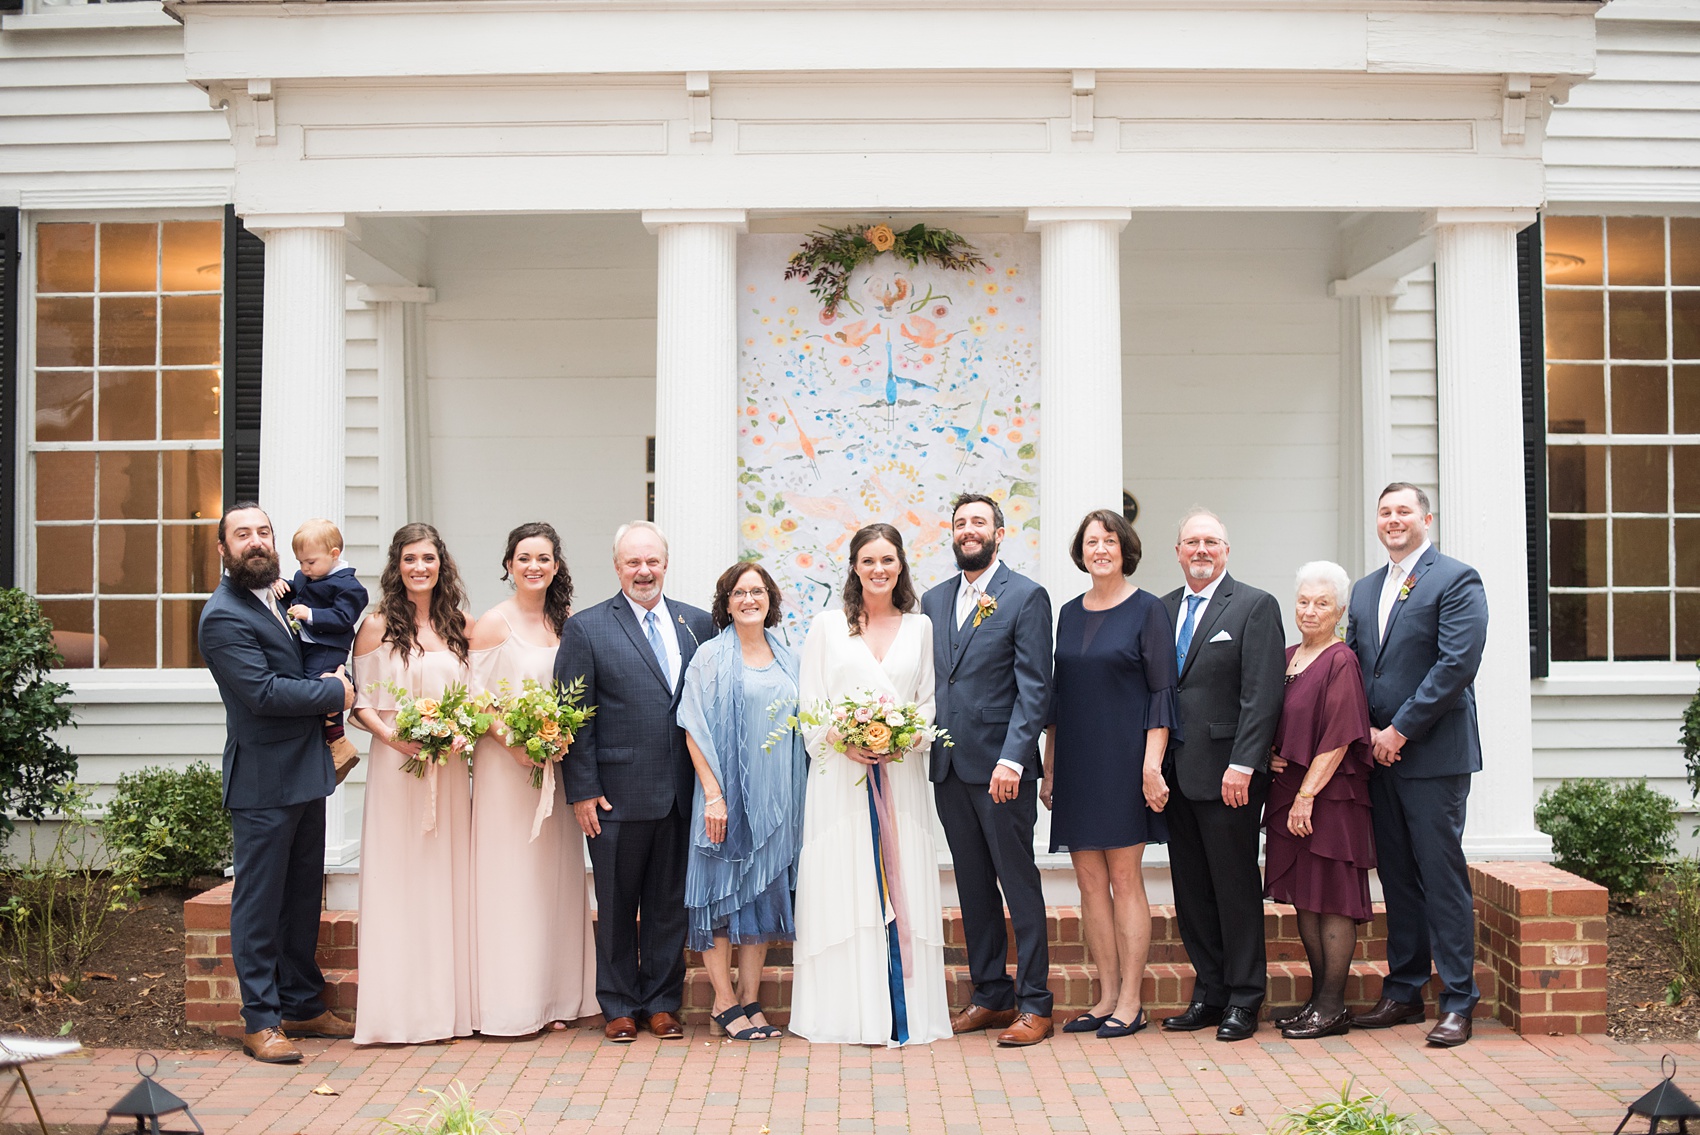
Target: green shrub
[[1691, 740], [60, 904], [34, 767], [174, 822], [1682, 916], [1612, 834]]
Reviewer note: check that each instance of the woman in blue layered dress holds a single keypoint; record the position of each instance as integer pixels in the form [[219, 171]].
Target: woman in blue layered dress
[[747, 819]]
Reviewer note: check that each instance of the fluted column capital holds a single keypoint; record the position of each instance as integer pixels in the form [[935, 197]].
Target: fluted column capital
[[656, 219], [1037, 219]]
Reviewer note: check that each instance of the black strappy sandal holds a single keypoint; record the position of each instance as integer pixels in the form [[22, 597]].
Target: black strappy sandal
[[724, 1020], [769, 1032]]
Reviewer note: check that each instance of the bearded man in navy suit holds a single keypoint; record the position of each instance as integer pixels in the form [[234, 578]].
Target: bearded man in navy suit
[[1418, 627], [277, 773], [992, 665], [630, 781]]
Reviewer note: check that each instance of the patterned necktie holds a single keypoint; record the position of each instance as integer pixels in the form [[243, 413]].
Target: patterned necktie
[[652, 631], [1184, 643]]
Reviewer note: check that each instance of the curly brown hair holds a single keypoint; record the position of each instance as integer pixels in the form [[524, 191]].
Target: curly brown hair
[[902, 595], [558, 600], [447, 598], [721, 612]]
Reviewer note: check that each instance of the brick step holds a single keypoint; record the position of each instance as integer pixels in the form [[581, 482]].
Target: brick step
[[1166, 991]]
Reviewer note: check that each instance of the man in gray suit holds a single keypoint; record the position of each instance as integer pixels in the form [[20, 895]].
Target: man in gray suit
[[1418, 627], [992, 665], [277, 773], [629, 778], [1231, 654]]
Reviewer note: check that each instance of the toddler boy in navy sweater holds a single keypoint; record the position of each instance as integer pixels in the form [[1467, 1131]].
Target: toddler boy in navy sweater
[[326, 600]]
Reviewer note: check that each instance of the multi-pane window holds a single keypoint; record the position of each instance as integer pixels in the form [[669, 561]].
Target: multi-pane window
[[1623, 437], [125, 436]]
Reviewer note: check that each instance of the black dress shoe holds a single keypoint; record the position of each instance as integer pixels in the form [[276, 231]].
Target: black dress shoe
[[1198, 1015], [1388, 1012], [1289, 1016], [1237, 1023], [1312, 1026], [1452, 1030]]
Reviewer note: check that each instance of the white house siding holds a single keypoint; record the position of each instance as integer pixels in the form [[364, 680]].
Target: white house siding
[[102, 118], [1410, 334], [540, 354], [1231, 387]]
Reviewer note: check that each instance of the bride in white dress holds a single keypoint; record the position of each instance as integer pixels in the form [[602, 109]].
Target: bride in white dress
[[850, 985]]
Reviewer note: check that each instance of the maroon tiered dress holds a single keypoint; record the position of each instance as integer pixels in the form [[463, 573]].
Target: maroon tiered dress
[[1328, 870]]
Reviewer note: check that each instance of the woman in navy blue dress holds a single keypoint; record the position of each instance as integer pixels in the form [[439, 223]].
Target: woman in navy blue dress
[[1113, 706]]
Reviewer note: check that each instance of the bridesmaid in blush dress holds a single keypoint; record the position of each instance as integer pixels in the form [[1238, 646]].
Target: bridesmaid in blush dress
[[415, 951], [534, 959]]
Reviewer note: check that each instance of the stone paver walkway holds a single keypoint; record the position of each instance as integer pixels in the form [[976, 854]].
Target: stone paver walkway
[[572, 1082]]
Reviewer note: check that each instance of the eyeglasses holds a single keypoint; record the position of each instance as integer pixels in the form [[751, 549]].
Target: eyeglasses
[[741, 594]]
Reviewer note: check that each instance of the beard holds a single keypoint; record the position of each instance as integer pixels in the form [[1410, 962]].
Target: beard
[[974, 561], [257, 569]]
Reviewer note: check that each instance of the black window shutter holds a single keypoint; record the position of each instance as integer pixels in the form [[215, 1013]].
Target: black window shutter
[[1532, 332], [10, 264], [244, 327]]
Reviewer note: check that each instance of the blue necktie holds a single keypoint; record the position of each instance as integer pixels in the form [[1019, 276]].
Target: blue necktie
[[1184, 643], [652, 631]]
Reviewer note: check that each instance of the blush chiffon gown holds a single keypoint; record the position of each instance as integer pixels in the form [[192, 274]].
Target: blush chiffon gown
[[534, 956], [415, 951]]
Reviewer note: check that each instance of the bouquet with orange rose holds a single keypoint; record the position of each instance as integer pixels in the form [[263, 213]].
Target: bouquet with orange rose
[[542, 720], [442, 726], [875, 722]]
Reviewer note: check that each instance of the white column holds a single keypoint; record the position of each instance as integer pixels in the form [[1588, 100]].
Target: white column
[[1080, 380], [303, 373], [1375, 394], [696, 394], [302, 369], [1479, 377]]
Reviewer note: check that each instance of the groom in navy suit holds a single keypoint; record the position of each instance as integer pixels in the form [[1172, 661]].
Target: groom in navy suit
[[277, 773], [629, 778], [992, 666], [1418, 627]]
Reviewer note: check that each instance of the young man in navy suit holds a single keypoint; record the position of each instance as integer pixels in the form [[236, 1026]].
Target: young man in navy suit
[[1418, 627], [630, 781], [277, 773], [992, 665]]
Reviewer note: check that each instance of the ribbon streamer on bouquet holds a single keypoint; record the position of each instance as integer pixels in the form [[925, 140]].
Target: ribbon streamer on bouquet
[[430, 825], [545, 801], [893, 862]]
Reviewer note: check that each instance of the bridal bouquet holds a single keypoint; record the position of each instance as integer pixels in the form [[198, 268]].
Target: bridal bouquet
[[542, 719], [875, 722], [443, 726]]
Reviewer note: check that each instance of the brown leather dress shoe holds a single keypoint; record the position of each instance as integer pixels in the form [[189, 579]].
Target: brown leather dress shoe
[[620, 1030], [977, 1017], [270, 1046], [1388, 1012], [1029, 1028], [1452, 1030], [666, 1026], [327, 1025]]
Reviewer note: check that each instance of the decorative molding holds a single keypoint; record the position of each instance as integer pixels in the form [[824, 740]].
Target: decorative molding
[[1514, 107], [1522, 218], [1085, 83], [484, 140], [697, 94], [394, 293], [265, 111], [895, 136], [126, 197], [1298, 135], [263, 223], [1038, 218], [655, 219]]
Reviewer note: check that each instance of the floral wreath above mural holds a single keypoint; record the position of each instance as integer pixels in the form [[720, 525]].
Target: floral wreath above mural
[[829, 257]]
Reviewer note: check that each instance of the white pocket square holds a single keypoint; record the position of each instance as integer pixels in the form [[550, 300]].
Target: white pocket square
[[1222, 636]]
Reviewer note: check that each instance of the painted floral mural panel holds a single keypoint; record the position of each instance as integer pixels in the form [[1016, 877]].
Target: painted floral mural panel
[[922, 385]]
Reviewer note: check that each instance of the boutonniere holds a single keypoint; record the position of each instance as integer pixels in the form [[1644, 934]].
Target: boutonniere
[[986, 607], [1405, 588], [295, 627]]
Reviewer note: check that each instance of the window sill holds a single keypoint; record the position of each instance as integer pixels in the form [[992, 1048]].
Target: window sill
[[1622, 679], [90, 17]]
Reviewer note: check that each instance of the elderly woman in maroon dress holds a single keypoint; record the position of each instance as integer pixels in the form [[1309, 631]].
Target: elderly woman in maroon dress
[[1320, 845]]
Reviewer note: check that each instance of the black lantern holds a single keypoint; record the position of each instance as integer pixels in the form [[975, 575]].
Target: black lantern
[[147, 1101], [1665, 1101]]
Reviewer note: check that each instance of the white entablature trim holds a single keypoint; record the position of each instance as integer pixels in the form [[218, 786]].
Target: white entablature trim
[[263, 223], [237, 41]]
